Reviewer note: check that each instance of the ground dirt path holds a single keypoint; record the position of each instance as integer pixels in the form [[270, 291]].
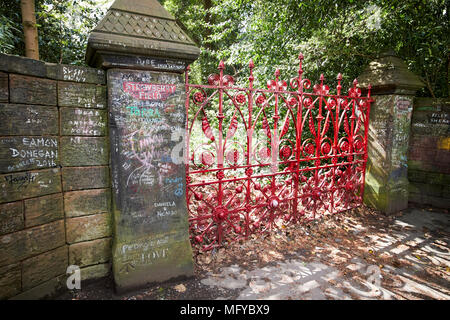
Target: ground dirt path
[[358, 254]]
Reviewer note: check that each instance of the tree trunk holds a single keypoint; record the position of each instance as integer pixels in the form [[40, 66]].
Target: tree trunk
[[30, 29]]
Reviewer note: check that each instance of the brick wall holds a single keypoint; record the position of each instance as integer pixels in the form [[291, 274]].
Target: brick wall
[[54, 176], [429, 153]]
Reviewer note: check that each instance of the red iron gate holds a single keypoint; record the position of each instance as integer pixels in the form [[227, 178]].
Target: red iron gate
[[258, 159]]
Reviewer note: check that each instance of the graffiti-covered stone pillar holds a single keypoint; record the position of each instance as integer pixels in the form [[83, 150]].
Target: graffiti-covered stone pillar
[[393, 89], [145, 53]]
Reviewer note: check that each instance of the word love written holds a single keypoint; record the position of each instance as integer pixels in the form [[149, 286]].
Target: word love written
[[149, 91]]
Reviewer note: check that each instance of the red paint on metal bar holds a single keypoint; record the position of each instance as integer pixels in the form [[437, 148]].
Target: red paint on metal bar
[[259, 159]]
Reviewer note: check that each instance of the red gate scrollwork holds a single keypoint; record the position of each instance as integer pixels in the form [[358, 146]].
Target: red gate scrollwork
[[258, 159]]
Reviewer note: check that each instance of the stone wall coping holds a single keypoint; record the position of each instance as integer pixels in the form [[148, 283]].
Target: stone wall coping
[[431, 104], [63, 72], [388, 73]]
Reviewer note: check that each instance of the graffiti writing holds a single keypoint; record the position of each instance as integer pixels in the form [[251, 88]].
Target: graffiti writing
[[21, 180], [144, 112], [149, 91]]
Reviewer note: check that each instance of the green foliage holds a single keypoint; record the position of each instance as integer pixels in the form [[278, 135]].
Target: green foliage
[[334, 36], [63, 28], [8, 40]]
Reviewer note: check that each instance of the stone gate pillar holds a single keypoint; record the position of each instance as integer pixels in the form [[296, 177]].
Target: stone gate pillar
[[145, 53], [393, 89]]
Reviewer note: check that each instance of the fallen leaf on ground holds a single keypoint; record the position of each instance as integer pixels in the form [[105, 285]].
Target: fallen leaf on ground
[[180, 288]]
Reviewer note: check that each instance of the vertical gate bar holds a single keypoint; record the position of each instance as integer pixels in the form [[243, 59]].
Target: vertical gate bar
[[336, 136], [352, 128], [298, 143], [301, 122], [275, 133], [220, 150], [318, 145], [249, 148], [274, 147]]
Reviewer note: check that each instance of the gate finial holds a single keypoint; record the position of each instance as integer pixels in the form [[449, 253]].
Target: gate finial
[[277, 73], [251, 65], [339, 87], [300, 69]]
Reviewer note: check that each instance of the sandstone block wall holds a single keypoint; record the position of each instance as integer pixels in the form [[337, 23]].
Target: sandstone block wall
[[55, 196], [429, 153]]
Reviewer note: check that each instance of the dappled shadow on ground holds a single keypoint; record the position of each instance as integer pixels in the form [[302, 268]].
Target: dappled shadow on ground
[[359, 254]]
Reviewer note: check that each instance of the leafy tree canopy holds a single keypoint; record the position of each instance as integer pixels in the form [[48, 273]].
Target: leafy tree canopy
[[334, 36], [63, 28]]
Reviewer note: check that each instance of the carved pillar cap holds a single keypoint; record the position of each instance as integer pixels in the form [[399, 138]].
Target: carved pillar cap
[[389, 74], [134, 31]]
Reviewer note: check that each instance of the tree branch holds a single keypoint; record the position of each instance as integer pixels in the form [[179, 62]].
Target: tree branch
[[429, 85]]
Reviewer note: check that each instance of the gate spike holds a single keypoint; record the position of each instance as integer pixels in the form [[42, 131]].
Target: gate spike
[[300, 70], [251, 65], [277, 72], [221, 65], [339, 87], [321, 79]]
